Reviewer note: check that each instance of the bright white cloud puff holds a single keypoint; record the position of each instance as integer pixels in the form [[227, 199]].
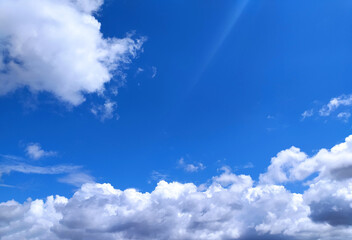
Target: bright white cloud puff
[[56, 46], [230, 207]]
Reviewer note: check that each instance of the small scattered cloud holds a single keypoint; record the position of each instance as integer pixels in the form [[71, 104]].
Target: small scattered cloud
[[307, 114], [344, 116], [335, 103], [248, 165], [106, 110], [114, 91], [189, 167], [270, 117], [154, 72], [35, 151], [343, 103], [157, 176], [139, 70]]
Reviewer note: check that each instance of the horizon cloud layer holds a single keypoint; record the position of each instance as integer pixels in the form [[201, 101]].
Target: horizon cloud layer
[[230, 207]]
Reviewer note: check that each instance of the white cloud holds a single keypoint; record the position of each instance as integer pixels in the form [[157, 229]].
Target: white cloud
[[7, 185], [270, 117], [73, 174], [31, 169], [293, 165], [139, 70], [230, 206], [344, 116], [154, 69], [158, 176], [307, 113], [335, 103], [105, 111], [35, 151], [56, 46], [189, 167]]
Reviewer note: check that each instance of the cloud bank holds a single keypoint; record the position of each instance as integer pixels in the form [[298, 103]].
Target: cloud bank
[[56, 46], [229, 207]]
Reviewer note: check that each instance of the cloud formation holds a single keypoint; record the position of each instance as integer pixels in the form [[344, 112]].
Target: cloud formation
[[56, 46], [190, 167], [338, 107], [307, 114], [293, 165], [344, 116], [31, 169], [335, 103], [70, 174], [229, 207], [35, 151], [105, 111]]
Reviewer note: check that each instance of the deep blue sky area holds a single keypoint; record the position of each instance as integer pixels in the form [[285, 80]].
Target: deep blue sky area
[[232, 80]]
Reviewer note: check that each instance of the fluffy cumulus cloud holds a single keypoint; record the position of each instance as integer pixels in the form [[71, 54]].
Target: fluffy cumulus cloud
[[56, 46], [230, 206], [293, 165]]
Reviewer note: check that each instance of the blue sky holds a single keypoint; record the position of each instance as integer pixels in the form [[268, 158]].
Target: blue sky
[[214, 83], [219, 100]]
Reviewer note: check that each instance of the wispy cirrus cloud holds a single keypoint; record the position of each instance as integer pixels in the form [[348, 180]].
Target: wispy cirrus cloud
[[70, 174], [32, 169]]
